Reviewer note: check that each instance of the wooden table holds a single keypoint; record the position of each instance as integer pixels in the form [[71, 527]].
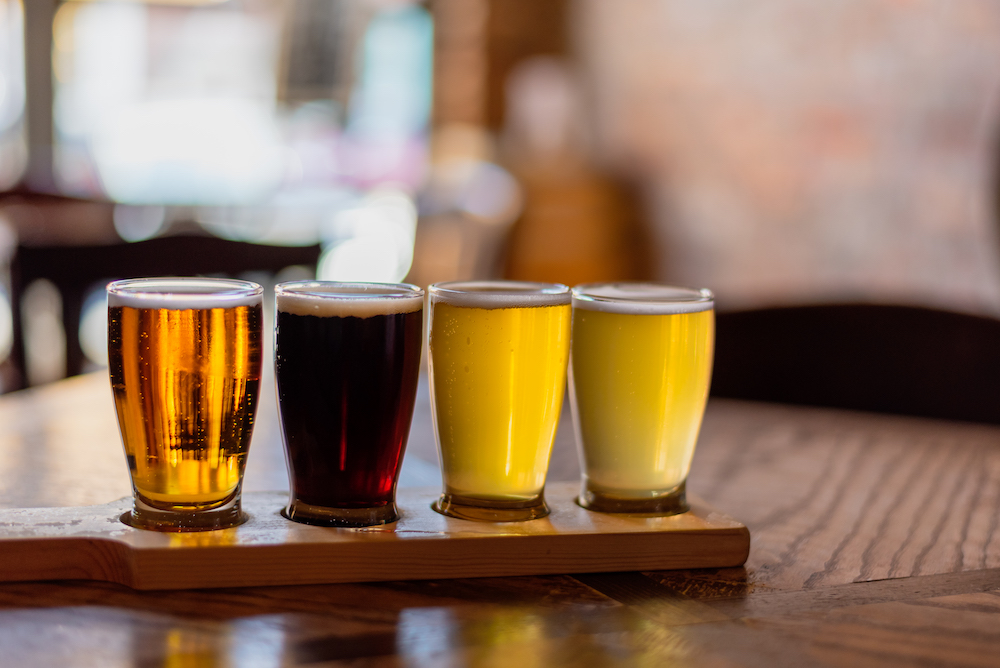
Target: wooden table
[[875, 542]]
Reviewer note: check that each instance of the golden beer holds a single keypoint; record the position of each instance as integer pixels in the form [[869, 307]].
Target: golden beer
[[498, 355], [640, 370], [184, 358]]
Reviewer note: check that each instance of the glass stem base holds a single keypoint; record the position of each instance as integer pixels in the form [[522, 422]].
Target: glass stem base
[[145, 516], [305, 513], [489, 510], [671, 502]]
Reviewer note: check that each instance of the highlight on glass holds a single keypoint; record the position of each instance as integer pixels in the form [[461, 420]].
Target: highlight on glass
[[639, 375], [184, 358], [498, 355], [347, 361]]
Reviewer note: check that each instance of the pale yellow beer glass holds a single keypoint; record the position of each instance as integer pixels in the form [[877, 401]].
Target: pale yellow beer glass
[[498, 354], [639, 376], [184, 358]]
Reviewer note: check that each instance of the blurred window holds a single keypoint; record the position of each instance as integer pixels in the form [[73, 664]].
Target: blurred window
[[167, 104], [13, 151], [236, 103]]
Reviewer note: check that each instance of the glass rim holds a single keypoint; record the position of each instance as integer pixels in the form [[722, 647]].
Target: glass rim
[[183, 292], [500, 294], [357, 299], [642, 298], [348, 290]]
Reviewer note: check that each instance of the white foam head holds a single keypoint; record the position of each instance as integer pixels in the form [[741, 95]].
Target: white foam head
[[360, 300], [184, 293], [641, 298], [500, 294]]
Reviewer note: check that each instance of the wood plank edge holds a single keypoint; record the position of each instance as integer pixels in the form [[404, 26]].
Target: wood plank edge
[[71, 558], [501, 556]]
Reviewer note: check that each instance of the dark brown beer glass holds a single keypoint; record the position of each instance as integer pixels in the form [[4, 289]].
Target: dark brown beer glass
[[347, 359]]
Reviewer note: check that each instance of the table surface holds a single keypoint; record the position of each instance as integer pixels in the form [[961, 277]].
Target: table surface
[[874, 542]]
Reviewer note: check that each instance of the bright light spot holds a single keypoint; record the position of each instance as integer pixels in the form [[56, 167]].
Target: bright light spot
[[257, 642], [44, 337], [94, 327], [135, 223], [6, 327], [364, 259], [371, 242], [190, 151], [492, 195], [290, 218]]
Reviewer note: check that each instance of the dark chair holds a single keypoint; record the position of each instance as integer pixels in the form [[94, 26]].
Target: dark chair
[[892, 359], [76, 269]]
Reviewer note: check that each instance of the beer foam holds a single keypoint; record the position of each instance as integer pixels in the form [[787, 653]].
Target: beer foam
[[641, 298], [184, 293], [500, 294], [358, 300]]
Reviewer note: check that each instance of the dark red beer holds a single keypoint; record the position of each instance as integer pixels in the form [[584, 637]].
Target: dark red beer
[[347, 359]]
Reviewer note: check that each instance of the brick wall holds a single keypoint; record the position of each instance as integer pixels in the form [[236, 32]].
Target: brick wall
[[804, 150]]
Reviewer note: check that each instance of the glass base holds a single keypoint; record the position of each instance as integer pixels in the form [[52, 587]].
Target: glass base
[[304, 513], [145, 516], [672, 502], [489, 510]]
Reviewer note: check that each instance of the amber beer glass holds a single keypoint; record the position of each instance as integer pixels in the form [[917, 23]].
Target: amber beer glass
[[184, 357], [498, 352], [639, 374], [347, 360]]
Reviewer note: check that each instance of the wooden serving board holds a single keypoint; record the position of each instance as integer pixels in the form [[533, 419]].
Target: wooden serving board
[[91, 543]]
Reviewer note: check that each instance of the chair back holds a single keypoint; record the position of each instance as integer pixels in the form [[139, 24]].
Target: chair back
[[74, 270], [892, 359]]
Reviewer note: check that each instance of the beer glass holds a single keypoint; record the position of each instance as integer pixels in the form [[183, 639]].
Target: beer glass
[[498, 352], [347, 360], [639, 374], [184, 359]]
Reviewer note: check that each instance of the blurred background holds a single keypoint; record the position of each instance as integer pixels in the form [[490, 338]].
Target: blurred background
[[780, 153]]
